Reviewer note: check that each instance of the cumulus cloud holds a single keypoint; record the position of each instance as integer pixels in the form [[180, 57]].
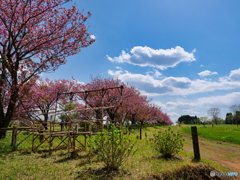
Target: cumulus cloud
[[212, 101], [206, 73], [149, 84], [172, 114], [148, 94], [92, 37], [158, 58], [177, 82], [201, 65], [157, 73], [190, 111], [143, 82], [235, 75], [173, 85]]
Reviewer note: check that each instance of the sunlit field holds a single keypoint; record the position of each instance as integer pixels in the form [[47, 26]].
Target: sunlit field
[[221, 132], [146, 164]]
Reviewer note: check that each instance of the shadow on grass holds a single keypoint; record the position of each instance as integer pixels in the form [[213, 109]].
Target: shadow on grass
[[25, 152], [4, 154], [195, 161], [156, 127], [170, 158], [161, 157], [72, 157], [199, 172], [101, 173], [63, 160]]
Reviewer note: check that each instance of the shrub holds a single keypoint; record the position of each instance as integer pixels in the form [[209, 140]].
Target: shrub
[[167, 143], [112, 148]]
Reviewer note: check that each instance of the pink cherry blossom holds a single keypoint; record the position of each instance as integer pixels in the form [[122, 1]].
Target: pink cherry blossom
[[35, 36]]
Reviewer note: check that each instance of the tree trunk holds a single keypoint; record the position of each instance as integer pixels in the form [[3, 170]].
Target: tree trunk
[[3, 134], [99, 116], [4, 124], [45, 125], [45, 121], [133, 120]]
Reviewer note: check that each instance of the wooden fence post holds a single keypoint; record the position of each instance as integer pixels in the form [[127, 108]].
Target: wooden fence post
[[76, 127], [140, 132], [195, 143], [14, 137], [41, 137]]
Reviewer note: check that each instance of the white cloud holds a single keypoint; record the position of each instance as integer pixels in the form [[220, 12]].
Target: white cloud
[[143, 82], [92, 37], [201, 65], [190, 111], [78, 82], [162, 105], [118, 67], [225, 100], [235, 75], [206, 73], [212, 101], [172, 114], [173, 85], [148, 94], [158, 58], [157, 73]]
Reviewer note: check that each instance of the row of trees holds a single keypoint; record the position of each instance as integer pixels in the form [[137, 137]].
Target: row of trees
[[42, 96]]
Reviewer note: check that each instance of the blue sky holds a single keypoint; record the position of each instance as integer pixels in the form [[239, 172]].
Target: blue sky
[[183, 54]]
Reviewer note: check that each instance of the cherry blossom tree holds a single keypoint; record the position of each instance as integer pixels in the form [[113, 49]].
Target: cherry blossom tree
[[43, 96], [157, 116], [23, 106], [110, 97], [166, 119], [135, 107], [145, 113], [35, 36]]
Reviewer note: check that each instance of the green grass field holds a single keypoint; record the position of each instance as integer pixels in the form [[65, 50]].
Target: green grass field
[[225, 133], [24, 164]]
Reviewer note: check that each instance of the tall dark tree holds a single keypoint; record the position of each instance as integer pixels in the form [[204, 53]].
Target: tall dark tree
[[235, 109]]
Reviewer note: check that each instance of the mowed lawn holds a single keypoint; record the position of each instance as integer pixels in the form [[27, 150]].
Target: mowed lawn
[[221, 132]]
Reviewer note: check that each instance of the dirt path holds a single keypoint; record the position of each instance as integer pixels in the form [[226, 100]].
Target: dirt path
[[224, 153]]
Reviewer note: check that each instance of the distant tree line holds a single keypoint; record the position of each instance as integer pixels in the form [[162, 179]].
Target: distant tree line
[[232, 117]]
